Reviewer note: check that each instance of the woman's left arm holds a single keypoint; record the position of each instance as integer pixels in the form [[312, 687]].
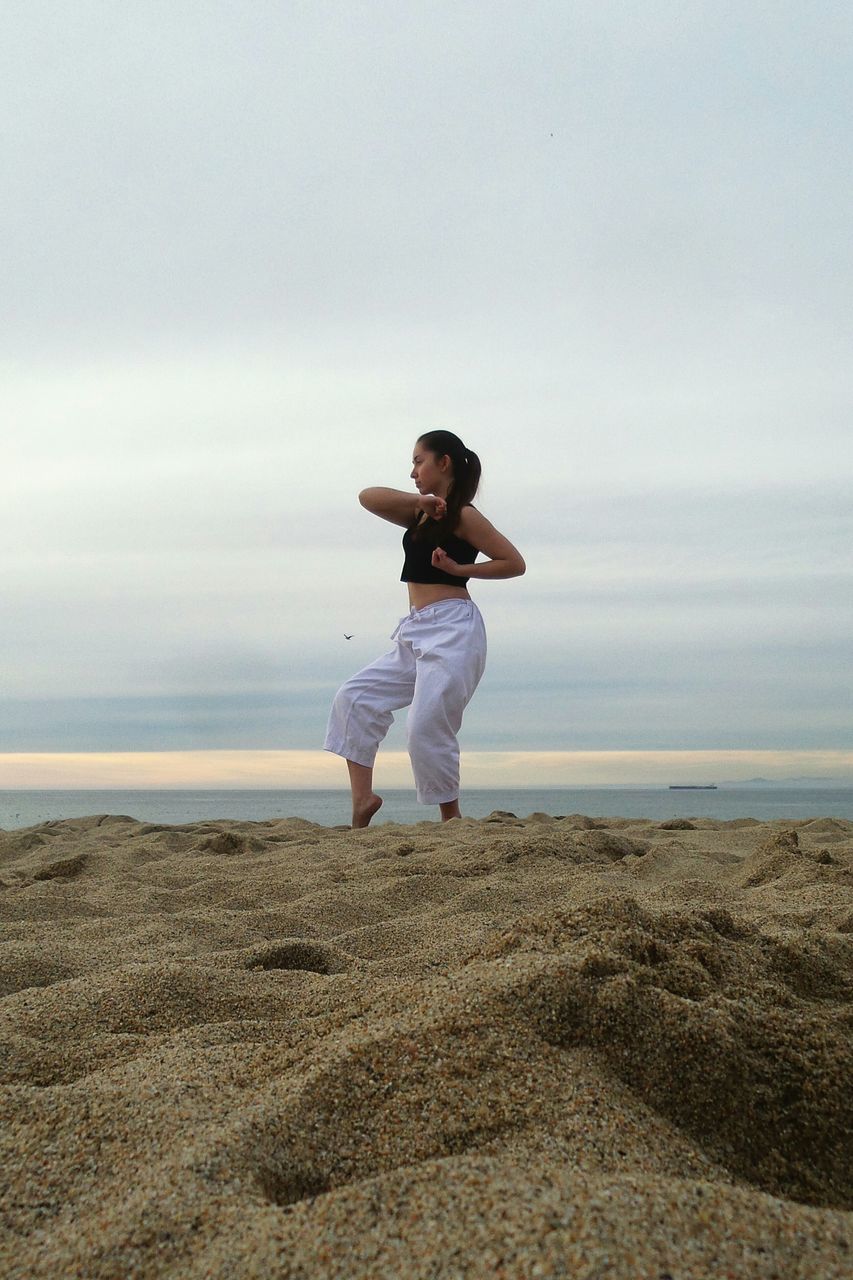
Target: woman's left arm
[[505, 560]]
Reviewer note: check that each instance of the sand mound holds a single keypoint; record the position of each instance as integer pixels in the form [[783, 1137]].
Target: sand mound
[[550, 1046]]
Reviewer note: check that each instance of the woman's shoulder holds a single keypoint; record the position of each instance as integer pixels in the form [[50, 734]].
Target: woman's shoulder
[[470, 519]]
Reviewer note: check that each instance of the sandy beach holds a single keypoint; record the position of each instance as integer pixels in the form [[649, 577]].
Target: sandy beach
[[538, 1046]]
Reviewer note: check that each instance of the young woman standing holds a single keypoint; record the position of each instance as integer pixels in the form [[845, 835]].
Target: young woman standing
[[439, 648]]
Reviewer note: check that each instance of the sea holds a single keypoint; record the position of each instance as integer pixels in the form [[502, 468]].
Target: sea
[[331, 808]]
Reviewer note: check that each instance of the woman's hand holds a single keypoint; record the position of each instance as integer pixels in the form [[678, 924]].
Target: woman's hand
[[441, 560], [432, 505]]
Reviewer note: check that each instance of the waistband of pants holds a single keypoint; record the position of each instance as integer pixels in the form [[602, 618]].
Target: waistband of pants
[[435, 611], [449, 601]]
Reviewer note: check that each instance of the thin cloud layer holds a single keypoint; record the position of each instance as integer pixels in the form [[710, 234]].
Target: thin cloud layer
[[249, 257]]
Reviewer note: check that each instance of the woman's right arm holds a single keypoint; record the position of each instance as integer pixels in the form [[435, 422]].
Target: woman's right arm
[[391, 504]]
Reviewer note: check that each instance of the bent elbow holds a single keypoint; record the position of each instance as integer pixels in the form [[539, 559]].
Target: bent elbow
[[521, 568]]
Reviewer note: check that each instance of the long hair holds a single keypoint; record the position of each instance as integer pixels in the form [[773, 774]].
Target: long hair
[[463, 486]]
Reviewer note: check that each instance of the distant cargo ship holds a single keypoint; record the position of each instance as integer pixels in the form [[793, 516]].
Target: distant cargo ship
[[693, 786]]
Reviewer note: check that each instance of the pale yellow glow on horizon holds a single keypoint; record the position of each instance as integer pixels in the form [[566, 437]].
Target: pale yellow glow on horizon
[[246, 770]]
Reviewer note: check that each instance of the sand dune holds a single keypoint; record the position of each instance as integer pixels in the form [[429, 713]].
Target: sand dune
[[538, 1047]]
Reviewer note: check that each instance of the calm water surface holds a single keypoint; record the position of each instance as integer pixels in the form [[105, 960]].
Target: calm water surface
[[330, 808]]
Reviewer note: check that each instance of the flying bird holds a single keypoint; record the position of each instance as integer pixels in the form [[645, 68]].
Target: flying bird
[[346, 637]]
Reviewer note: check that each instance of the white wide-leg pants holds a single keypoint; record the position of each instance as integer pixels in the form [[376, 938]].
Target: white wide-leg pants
[[438, 657]]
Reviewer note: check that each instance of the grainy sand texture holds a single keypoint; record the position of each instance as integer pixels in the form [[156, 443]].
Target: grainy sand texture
[[549, 1046]]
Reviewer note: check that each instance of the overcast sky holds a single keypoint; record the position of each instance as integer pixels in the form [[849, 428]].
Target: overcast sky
[[250, 252]]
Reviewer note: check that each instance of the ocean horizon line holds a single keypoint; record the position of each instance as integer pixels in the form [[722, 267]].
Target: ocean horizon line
[[727, 784], [291, 769]]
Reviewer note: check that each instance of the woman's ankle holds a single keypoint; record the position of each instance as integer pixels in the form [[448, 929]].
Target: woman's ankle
[[363, 810]]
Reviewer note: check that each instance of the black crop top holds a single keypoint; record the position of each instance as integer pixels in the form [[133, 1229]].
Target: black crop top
[[418, 567]]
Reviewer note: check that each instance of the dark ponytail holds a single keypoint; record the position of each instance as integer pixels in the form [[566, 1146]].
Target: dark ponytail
[[463, 487]]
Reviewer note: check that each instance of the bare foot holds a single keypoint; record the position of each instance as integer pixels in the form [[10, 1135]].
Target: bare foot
[[362, 813]]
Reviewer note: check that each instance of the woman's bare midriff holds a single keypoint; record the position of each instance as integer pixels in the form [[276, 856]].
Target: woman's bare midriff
[[423, 593]]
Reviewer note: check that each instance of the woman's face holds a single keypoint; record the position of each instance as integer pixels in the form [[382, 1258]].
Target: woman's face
[[430, 473]]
